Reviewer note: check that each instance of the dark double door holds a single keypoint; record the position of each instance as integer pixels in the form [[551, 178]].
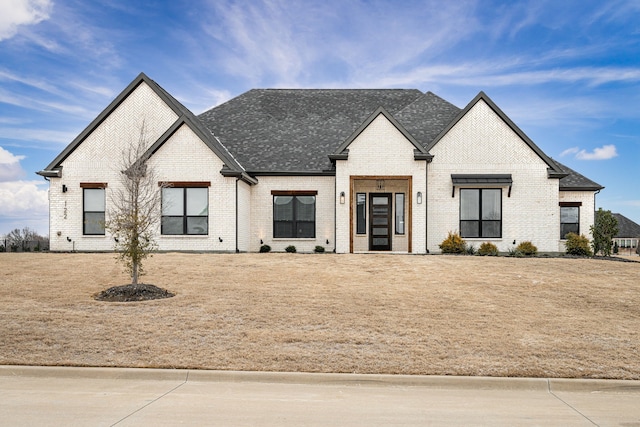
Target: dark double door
[[380, 210]]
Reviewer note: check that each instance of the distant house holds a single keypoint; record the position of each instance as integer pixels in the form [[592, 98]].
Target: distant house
[[628, 235], [361, 170]]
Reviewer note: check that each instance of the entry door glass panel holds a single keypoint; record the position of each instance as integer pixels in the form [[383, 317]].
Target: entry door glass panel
[[380, 229]]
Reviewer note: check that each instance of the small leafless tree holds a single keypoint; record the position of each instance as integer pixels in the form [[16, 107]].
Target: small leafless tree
[[135, 208]]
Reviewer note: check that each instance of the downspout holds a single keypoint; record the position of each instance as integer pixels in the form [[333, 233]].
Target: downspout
[[594, 208], [335, 210], [426, 207], [49, 216], [237, 216]]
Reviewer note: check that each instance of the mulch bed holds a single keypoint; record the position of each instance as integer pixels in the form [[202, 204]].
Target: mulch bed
[[127, 293]]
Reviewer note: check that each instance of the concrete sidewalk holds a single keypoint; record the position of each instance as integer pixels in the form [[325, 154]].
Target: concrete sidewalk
[[139, 397]]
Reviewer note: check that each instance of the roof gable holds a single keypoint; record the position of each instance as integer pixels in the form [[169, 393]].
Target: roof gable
[[342, 151], [553, 170], [231, 165], [54, 168], [185, 116]]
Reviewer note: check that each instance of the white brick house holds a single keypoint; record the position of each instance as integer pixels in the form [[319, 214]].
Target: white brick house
[[349, 170]]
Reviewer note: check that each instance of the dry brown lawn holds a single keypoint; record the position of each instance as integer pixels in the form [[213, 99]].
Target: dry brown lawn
[[397, 314]]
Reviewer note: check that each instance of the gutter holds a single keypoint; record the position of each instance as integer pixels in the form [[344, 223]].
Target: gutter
[[50, 173]]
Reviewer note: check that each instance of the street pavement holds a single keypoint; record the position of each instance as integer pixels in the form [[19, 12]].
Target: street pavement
[[61, 396]]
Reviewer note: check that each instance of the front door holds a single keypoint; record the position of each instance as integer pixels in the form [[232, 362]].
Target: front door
[[380, 222]]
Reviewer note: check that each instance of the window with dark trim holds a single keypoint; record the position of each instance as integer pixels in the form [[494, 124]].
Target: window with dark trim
[[399, 213], [185, 210], [569, 220], [93, 208], [480, 212], [361, 213], [294, 214]]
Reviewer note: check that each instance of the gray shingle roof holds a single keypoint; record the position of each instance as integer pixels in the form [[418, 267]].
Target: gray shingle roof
[[575, 181], [626, 227], [290, 131], [294, 130], [426, 117]]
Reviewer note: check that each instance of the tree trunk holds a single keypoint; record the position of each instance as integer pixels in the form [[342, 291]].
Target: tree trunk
[[134, 273]]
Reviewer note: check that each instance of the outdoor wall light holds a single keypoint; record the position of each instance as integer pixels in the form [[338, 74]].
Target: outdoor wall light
[[342, 197], [220, 238], [261, 242], [64, 188], [327, 241], [116, 239], [419, 197], [68, 239]]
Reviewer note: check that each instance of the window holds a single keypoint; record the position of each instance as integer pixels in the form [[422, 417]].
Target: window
[[481, 212], [185, 210], [294, 215], [361, 213], [569, 220], [93, 207], [399, 213]]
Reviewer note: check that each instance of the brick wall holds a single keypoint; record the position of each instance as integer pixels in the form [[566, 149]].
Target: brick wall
[[482, 143], [587, 211], [184, 157], [97, 159], [380, 150], [262, 212]]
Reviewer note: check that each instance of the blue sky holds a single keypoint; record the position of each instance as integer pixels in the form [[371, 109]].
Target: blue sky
[[566, 72]]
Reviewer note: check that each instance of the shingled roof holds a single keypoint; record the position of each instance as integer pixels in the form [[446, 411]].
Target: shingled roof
[[273, 131], [575, 181], [426, 117], [626, 227]]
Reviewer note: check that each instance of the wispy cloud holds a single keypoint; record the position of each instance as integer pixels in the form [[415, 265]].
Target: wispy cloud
[[605, 152], [46, 104], [32, 134], [16, 13], [38, 83], [569, 151], [283, 43]]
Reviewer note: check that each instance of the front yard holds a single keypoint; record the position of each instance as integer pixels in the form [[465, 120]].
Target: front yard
[[398, 314]]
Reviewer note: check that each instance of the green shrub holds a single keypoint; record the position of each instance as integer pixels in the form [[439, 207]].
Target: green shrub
[[470, 250], [265, 248], [291, 249], [453, 244], [527, 248], [488, 249], [319, 249], [577, 245]]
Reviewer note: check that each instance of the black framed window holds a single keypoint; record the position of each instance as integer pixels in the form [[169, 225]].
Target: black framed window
[[569, 220], [399, 213], [185, 211], [480, 212], [294, 216], [361, 213], [93, 208]]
